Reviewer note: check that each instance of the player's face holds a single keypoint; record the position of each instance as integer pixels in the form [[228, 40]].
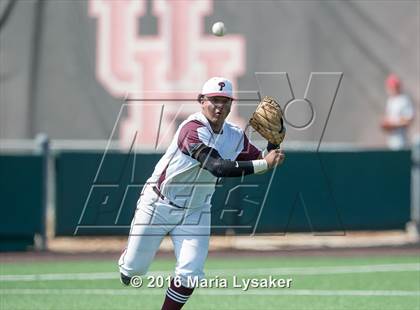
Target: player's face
[[216, 109]]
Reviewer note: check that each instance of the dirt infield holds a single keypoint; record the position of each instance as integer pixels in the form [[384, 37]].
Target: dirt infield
[[350, 244], [38, 256], [271, 242]]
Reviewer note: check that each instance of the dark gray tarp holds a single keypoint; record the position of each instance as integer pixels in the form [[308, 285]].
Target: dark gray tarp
[[47, 62]]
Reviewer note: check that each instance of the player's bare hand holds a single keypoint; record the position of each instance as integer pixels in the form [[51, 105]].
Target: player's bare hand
[[274, 158], [387, 125]]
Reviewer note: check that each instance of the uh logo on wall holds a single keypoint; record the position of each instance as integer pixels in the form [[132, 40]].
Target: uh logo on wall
[[160, 75]]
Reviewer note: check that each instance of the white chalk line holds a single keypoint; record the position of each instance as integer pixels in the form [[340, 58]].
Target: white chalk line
[[321, 270], [212, 291]]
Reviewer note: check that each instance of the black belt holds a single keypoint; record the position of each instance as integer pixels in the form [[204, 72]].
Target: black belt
[[166, 200]]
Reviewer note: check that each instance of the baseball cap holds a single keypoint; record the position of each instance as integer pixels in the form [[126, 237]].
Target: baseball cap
[[218, 86], [393, 81]]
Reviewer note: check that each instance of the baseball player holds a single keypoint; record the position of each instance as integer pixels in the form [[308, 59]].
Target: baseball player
[[176, 198]]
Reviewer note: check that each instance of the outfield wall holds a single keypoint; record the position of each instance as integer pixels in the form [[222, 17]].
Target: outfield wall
[[311, 192], [330, 191], [21, 192]]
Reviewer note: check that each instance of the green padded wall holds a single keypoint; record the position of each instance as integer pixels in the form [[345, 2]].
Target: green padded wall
[[311, 192], [21, 204]]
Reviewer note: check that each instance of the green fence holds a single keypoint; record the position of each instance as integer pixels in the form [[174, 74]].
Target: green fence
[[311, 192], [21, 200]]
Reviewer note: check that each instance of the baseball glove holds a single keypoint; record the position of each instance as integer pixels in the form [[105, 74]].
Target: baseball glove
[[267, 120]]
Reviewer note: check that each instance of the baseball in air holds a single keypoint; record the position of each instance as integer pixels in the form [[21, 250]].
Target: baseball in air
[[218, 29]]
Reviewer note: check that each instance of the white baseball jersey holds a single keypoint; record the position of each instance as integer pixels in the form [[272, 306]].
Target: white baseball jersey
[[398, 107], [179, 177]]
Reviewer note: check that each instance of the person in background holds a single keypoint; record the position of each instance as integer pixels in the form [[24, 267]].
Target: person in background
[[399, 114]]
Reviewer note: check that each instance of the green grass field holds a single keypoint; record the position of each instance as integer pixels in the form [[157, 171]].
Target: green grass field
[[317, 283]]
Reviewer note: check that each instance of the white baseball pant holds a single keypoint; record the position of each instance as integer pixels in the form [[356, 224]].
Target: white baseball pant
[[189, 230]]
